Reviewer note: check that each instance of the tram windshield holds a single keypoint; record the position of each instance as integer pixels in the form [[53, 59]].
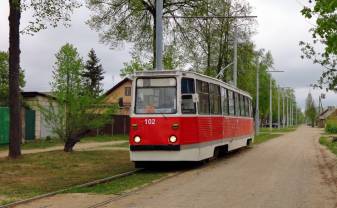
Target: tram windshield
[[156, 96]]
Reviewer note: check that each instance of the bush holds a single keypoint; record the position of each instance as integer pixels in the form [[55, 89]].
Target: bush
[[331, 127]]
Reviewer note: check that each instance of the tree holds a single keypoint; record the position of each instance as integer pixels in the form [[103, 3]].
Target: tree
[[4, 73], [310, 109], [45, 12], [76, 109], [93, 74], [324, 34], [120, 21]]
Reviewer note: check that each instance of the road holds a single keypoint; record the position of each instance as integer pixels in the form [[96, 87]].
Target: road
[[290, 171]]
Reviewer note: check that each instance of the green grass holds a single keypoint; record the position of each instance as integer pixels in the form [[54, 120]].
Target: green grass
[[263, 137], [35, 174], [105, 138], [332, 146], [42, 143], [276, 130], [120, 185]]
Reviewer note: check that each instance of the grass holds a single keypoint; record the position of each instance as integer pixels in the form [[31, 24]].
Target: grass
[[120, 185], [276, 130], [35, 174], [42, 143], [263, 137], [332, 146]]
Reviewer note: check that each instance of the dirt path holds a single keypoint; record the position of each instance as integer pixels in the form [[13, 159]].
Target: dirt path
[[292, 171], [79, 147]]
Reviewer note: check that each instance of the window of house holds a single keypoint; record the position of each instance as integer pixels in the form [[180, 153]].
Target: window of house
[[203, 92], [231, 103], [215, 99], [127, 91], [224, 101]]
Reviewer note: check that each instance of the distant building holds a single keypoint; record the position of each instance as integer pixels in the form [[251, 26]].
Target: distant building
[[328, 114], [34, 125], [120, 94]]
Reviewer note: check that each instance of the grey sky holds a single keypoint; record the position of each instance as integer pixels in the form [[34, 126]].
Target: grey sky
[[280, 28]]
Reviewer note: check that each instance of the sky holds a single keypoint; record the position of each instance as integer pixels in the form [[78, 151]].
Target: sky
[[279, 30]]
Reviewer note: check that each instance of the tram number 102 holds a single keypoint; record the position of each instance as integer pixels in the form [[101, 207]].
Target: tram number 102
[[150, 121]]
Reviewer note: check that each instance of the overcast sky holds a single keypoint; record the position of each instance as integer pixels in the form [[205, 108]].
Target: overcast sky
[[280, 28]]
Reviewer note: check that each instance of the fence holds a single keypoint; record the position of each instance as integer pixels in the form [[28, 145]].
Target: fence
[[120, 124], [4, 125]]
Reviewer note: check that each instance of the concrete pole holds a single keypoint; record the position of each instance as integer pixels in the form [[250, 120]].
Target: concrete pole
[[159, 34], [287, 116], [257, 112], [235, 58], [278, 109], [283, 113], [270, 104]]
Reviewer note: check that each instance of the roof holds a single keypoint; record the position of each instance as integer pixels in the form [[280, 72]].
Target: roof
[[35, 94], [325, 114], [126, 79]]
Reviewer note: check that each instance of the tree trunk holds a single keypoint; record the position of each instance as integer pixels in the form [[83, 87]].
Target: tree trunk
[[73, 139], [15, 131]]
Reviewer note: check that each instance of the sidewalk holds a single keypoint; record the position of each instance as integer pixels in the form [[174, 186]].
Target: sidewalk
[[78, 147]]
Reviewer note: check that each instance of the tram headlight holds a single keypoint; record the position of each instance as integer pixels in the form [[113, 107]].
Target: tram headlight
[[173, 139], [137, 139]]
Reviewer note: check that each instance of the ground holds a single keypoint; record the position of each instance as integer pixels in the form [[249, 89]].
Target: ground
[[293, 170]]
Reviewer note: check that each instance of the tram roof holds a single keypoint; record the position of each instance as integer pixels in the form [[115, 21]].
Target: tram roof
[[187, 73]]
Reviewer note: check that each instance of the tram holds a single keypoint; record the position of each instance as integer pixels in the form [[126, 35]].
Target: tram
[[186, 116]]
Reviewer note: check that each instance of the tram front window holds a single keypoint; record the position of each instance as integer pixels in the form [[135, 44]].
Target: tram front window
[[156, 96]]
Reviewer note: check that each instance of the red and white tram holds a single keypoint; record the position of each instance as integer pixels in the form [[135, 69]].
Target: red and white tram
[[186, 116]]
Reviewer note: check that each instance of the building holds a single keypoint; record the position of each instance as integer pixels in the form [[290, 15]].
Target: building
[[328, 114], [34, 124], [120, 94]]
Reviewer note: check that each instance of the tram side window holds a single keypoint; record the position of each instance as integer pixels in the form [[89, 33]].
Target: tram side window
[[246, 106], [231, 106], [250, 108], [203, 92], [237, 104], [187, 90], [215, 99], [242, 105], [224, 100]]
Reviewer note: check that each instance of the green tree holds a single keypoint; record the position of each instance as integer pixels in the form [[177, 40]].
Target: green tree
[[310, 109], [324, 33], [76, 109], [44, 12], [93, 74], [4, 73]]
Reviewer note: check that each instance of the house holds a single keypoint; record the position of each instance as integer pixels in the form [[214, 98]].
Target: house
[[120, 94], [327, 114], [34, 124]]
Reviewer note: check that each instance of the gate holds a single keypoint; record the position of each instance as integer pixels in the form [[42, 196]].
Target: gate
[[29, 124], [4, 125]]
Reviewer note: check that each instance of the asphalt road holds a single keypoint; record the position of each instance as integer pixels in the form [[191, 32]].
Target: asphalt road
[[290, 171]]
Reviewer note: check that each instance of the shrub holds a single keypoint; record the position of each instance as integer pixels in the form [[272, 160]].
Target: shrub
[[331, 127]]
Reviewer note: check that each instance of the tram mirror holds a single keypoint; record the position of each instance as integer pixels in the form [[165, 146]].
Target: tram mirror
[[195, 98]]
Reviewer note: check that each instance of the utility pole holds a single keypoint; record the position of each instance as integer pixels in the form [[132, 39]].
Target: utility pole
[[257, 112], [159, 34], [270, 104], [235, 58], [287, 111], [278, 109], [283, 113]]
